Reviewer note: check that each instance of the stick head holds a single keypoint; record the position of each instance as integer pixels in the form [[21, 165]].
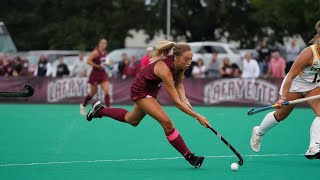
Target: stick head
[[240, 162], [250, 112], [30, 90]]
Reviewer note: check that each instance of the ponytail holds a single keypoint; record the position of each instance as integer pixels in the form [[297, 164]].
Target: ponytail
[[314, 40], [166, 48], [163, 49]]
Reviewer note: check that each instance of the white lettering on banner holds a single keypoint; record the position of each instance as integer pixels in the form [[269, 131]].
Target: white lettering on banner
[[234, 89], [72, 87]]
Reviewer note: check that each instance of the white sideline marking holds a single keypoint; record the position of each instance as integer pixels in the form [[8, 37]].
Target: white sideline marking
[[142, 159]]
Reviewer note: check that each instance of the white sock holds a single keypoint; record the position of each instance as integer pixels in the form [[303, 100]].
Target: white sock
[[315, 132], [267, 123]]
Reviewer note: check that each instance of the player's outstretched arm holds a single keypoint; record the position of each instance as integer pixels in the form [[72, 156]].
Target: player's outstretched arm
[[163, 72], [305, 58], [179, 86]]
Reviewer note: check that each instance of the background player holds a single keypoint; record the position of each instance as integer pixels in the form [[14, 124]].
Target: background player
[[167, 69], [303, 80], [98, 75]]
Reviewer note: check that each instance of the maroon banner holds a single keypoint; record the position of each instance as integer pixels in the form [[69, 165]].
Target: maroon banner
[[233, 91]]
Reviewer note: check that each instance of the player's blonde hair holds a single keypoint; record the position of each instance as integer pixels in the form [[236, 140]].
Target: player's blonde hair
[[314, 40], [166, 48]]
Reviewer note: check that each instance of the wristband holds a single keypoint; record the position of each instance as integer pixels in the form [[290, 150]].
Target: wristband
[[183, 99], [283, 98], [197, 117]]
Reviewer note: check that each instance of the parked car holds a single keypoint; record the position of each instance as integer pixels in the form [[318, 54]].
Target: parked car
[[115, 55], [52, 55], [204, 50]]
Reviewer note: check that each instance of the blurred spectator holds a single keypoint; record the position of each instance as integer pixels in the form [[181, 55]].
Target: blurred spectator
[[5, 67], [213, 67], [62, 68], [115, 69], [292, 51], [132, 68], [17, 67], [199, 70], [145, 60], [264, 57], [43, 67], [81, 67], [236, 72], [124, 61], [227, 69], [251, 68], [277, 66]]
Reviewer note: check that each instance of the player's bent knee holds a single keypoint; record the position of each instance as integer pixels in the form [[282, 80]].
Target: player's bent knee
[[280, 116], [132, 119], [135, 124]]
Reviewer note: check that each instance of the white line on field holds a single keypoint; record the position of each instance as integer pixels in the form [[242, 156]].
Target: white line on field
[[141, 159]]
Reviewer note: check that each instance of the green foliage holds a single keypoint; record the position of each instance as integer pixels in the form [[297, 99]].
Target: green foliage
[[216, 20], [69, 24], [290, 17]]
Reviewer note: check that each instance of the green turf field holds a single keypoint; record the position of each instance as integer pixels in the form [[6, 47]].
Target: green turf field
[[55, 142]]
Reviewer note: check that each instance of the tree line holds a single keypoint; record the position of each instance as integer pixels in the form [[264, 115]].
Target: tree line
[[69, 24]]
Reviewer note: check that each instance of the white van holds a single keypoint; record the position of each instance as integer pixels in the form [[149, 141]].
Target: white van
[[52, 56], [204, 50]]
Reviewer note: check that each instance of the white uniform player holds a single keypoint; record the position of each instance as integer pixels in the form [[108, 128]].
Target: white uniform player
[[309, 78], [303, 80]]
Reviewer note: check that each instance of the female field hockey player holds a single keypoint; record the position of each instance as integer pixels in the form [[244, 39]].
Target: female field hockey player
[[98, 75], [303, 80], [170, 61]]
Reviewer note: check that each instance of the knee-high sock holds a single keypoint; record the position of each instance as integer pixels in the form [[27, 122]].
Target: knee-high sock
[[315, 132], [267, 123], [86, 100], [115, 113], [177, 142], [107, 100]]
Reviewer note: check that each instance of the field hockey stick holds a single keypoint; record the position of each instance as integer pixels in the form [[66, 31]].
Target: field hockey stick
[[27, 93], [255, 111], [229, 145], [224, 141]]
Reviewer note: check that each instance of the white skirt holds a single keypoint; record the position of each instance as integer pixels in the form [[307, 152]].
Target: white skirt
[[299, 85]]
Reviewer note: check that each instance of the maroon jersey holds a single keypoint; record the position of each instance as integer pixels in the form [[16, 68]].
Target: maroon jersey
[[147, 83], [97, 76]]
